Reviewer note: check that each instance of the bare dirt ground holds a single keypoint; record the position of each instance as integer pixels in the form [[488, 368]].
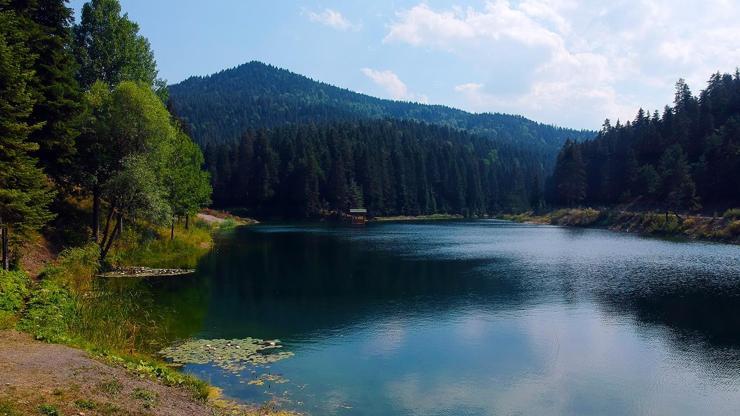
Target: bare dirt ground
[[39, 378]]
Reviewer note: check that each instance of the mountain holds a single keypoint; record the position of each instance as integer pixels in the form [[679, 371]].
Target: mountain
[[221, 107]]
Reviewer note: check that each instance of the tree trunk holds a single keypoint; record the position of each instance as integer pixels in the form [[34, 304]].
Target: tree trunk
[[106, 247], [6, 256], [172, 230], [187, 221], [96, 215], [107, 236], [120, 224]]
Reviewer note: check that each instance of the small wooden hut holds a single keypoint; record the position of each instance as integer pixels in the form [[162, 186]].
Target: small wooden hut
[[358, 216]]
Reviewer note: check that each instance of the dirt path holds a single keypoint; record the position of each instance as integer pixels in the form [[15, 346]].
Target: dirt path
[[66, 380]]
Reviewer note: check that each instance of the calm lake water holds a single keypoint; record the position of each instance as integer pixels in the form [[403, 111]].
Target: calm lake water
[[473, 318]]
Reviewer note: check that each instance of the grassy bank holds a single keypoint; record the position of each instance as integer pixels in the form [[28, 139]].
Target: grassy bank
[[68, 305], [723, 229]]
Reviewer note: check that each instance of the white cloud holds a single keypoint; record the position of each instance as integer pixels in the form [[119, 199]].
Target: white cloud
[[579, 62], [332, 18], [392, 85]]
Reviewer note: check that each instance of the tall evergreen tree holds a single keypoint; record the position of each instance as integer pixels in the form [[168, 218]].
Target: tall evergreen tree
[[24, 193], [570, 175], [47, 24]]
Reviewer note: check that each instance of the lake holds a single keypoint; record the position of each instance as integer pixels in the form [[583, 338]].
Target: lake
[[471, 318]]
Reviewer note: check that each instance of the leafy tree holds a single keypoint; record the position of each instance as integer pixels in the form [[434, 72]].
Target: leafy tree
[[133, 191], [187, 184], [24, 192], [109, 48]]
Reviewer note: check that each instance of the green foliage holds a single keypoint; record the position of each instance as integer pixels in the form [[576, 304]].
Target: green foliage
[[138, 248], [188, 185], [50, 311], [732, 214], [47, 25], [136, 159], [148, 398], [24, 192], [109, 48], [570, 174], [14, 288], [49, 410], [85, 404]]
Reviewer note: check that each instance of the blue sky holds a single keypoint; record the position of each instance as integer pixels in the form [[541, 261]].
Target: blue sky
[[565, 62]]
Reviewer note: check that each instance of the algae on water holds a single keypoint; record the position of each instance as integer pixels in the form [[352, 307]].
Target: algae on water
[[232, 355]]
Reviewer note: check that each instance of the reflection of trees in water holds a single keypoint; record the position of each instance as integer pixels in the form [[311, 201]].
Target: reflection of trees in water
[[318, 282], [144, 315], [699, 323], [297, 285]]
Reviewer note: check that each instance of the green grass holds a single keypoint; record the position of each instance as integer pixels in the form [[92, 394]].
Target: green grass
[[111, 387], [155, 249], [8, 409], [148, 398]]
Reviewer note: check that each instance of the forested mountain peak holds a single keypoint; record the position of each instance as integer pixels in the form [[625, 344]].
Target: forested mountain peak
[[222, 106]]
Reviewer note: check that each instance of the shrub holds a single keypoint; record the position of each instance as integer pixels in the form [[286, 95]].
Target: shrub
[[732, 214], [734, 228], [51, 309], [14, 288], [75, 267]]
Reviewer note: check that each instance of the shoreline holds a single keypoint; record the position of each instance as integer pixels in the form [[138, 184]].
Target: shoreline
[[724, 229], [410, 218]]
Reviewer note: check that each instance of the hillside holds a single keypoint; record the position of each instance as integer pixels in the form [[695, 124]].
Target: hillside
[[222, 106]]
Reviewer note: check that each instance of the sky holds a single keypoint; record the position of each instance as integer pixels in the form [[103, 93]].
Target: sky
[[564, 62]]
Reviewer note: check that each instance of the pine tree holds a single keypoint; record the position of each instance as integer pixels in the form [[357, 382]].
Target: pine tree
[[570, 175], [24, 193], [679, 189], [47, 24]]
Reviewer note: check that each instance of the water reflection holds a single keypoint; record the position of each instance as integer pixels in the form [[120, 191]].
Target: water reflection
[[478, 318]]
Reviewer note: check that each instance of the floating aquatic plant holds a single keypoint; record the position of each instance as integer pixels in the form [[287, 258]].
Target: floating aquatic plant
[[230, 354]]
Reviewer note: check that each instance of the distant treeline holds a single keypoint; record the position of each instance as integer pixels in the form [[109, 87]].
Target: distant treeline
[[386, 166], [685, 158]]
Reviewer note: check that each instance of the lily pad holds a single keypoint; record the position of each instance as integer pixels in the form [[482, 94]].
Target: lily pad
[[233, 355]]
